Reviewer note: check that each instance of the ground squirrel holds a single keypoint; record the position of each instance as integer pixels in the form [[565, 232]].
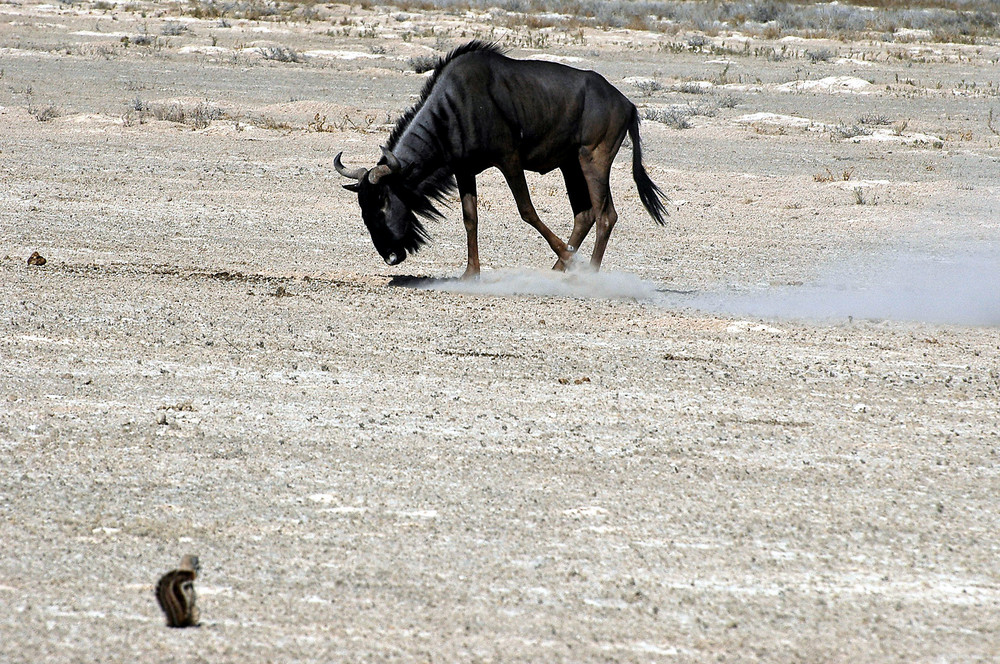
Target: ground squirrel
[[175, 593]]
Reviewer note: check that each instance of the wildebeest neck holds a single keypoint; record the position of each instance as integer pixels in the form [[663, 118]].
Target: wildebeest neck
[[424, 176]]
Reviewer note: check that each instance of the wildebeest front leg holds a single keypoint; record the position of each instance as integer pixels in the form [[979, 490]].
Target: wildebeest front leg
[[470, 217], [519, 187]]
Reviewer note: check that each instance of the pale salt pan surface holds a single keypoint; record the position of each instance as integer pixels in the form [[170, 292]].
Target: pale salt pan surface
[[775, 119], [341, 55], [887, 136], [549, 57], [831, 84]]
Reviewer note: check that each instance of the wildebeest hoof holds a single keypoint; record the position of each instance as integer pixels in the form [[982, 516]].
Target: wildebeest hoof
[[566, 261]]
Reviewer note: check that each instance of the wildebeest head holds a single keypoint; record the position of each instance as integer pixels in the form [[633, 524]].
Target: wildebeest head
[[387, 207]]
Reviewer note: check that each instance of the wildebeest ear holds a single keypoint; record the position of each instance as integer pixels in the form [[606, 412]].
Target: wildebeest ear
[[354, 186]]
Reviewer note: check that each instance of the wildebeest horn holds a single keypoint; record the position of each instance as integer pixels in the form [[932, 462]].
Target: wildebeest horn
[[379, 172], [356, 174], [390, 160], [391, 165]]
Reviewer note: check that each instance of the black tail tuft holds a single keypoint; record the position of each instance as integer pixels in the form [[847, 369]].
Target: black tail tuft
[[650, 195]]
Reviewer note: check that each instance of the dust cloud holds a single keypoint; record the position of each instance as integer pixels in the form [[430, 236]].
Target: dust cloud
[[580, 283], [957, 288], [961, 288]]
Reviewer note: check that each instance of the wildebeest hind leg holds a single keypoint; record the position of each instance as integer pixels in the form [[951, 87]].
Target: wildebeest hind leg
[[470, 217], [596, 166], [519, 187], [579, 200]]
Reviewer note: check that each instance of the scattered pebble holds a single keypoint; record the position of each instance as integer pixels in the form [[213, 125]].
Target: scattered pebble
[[36, 259]]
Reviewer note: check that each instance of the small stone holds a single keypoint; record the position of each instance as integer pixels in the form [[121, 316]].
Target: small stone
[[36, 259]]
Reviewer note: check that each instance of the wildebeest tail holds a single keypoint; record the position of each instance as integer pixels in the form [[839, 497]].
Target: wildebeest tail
[[650, 195]]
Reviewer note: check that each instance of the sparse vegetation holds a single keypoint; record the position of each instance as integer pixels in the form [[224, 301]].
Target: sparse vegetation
[[696, 42], [692, 88], [264, 122], [173, 29], [320, 124], [197, 116], [281, 54], [846, 131], [830, 176], [423, 63], [874, 119], [679, 116], [960, 21], [252, 10], [728, 100], [820, 55], [708, 108], [647, 86], [675, 117], [143, 39], [44, 113]]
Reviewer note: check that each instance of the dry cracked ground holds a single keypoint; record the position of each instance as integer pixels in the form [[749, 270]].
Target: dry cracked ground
[[767, 432]]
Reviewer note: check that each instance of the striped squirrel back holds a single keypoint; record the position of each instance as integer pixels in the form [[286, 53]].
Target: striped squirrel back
[[176, 596]]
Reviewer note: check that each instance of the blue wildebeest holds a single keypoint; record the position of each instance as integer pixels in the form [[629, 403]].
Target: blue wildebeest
[[481, 109]]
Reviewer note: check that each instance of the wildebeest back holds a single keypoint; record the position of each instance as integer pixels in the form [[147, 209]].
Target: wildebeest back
[[482, 99]]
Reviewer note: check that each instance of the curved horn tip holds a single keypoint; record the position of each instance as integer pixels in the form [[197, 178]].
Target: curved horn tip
[[390, 158], [356, 174]]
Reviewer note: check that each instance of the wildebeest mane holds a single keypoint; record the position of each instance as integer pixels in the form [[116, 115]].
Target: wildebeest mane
[[404, 121], [421, 193]]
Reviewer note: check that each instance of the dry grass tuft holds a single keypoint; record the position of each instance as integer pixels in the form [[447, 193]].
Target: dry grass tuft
[[423, 63], [45, 113], [197, 116], [281, 54]]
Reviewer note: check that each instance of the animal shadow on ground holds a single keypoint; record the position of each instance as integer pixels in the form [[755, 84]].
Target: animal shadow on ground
[[411, 281]]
